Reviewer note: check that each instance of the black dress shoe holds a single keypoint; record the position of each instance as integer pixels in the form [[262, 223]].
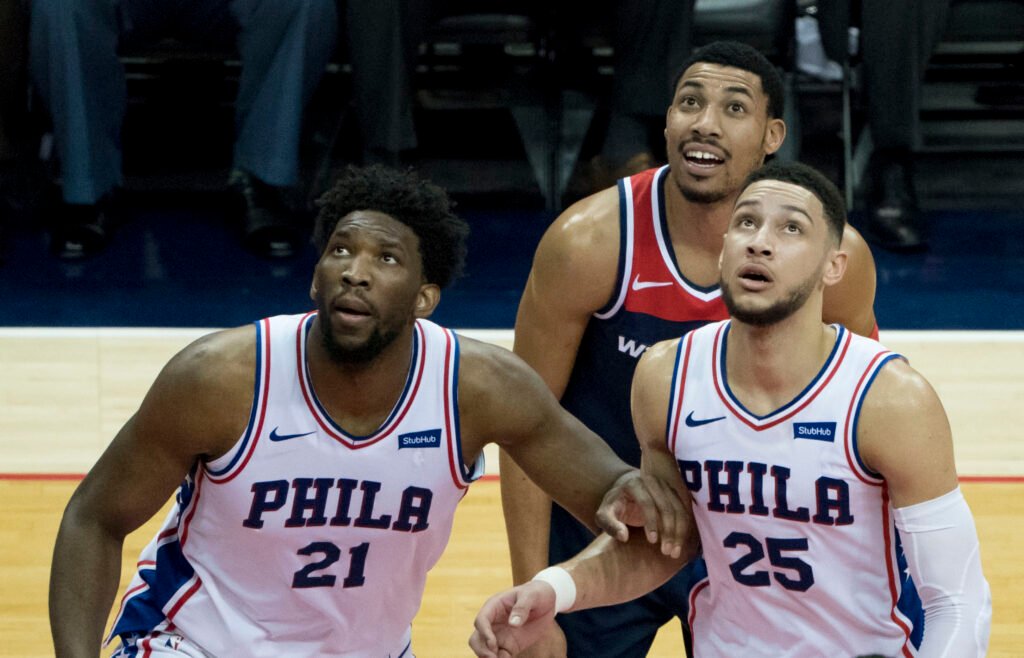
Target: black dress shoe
[[893, 217], [82, 230], [268, 219]]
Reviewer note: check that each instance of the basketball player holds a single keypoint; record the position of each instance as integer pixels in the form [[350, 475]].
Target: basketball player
[[321, 456], [819, 466], [634, 265]]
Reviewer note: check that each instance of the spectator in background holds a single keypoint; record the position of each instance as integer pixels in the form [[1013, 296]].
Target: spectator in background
[[650, 41], [897, 41], [284, 47], [382, 38], [13, 30]]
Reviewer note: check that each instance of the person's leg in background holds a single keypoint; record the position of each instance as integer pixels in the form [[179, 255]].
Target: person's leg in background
[[75, 71], [897, 41], [13, 88], [382, 38], [285, 46], [650, 40]]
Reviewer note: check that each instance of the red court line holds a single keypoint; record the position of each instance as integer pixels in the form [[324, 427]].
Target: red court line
[[993, 479], [490, 477], [41, 476]]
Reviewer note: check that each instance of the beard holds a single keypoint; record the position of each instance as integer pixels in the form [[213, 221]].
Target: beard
[[361, 354], [773, 314], [702, 196]]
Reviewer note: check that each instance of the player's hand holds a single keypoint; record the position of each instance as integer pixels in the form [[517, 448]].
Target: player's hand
[[641, 500], [550, 645], [513, 620]]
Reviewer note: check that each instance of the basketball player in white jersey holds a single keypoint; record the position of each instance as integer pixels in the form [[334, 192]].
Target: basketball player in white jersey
[[320, 458], [819, 466]]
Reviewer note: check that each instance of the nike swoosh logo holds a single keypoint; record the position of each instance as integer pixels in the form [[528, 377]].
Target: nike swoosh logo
[[695, 422], [640, 285], [274, 436]]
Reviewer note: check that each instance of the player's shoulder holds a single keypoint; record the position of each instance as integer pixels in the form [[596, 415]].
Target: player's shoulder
[[481, 360], [589, 226], [898, 389], [218, 360]]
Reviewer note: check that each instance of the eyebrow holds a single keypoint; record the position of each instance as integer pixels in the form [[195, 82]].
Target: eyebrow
[[791, 208], [736, 89], [385, 241]]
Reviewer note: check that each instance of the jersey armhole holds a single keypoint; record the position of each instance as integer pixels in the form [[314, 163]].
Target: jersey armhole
[[227, 466], [625, 257]]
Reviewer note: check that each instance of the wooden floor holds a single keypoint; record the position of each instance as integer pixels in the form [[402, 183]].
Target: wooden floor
[[64, 394]]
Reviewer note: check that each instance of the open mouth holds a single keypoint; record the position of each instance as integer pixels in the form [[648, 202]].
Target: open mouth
[[353, 307], [702, 158], [756, 275]]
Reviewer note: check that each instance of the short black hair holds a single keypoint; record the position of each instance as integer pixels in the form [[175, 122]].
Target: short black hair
[[417, 203], [741, 56], [814, 182]]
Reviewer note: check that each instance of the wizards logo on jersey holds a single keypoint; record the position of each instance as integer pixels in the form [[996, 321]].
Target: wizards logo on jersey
[[421, 439], [815, 431]]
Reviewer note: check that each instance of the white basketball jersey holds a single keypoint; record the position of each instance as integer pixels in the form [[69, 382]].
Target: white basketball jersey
[[801, 550], [305, 540]]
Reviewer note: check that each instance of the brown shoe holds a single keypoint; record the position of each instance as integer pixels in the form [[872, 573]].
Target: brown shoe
[[596, 174], [639, 162]]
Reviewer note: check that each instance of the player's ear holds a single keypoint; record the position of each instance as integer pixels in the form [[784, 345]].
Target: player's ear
[[835, 267], [774, 135], [427, 299]]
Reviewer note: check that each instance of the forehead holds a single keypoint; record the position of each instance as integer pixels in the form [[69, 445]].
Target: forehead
[[770, 194], [376, 225], [721, 77]]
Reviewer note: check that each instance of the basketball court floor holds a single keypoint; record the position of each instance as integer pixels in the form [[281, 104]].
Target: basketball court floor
[[80, 343]]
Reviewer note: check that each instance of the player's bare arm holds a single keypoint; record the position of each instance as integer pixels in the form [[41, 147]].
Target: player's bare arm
[[608, 571], [904, 435], [573, 275], [502, 400], [196, 408], [851, 301]]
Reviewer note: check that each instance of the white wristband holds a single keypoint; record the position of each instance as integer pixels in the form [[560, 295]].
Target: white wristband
[[563, 584]]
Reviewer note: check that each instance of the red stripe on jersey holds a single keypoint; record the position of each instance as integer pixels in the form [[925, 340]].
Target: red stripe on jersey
[[887, 530], [450, 429], [655, 286], [679, 397], [833, 368], [848, 429], [124, 600], [697, 589], [193, 505], [184, 597], [261, 414], [396, 418]]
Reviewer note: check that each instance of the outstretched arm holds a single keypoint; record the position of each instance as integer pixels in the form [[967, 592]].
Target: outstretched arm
[[502, 400], [573, 275], [608, 571], [904, 435], [181, 419]]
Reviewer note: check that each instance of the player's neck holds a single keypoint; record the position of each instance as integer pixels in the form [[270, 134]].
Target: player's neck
[[360, 396], [767, 367], [697, 224]]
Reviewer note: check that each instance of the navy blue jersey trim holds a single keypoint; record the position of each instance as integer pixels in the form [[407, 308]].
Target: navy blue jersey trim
[[413, 366], [467, 473], [674, 400], [251, 425], [659, 191], [620, 274], [856, 414], [840, 335]]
